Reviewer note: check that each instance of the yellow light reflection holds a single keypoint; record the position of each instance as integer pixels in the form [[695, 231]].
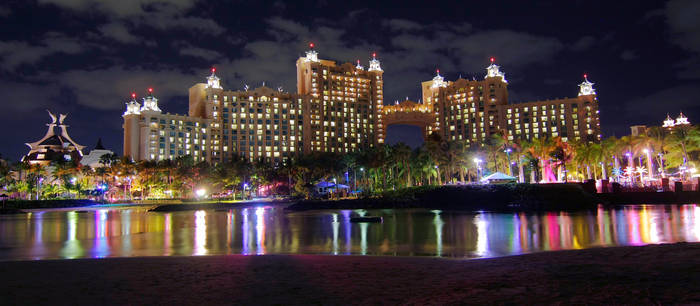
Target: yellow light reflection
[[200, 233], [482, 239], [260, 230]]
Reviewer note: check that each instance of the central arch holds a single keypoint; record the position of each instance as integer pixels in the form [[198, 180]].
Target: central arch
[[409, 113]]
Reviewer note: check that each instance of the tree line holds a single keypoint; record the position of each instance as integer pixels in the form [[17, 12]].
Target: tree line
[[670, 153]]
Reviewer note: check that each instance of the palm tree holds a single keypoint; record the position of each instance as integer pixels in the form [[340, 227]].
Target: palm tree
[[402, 155], [680, 142], [540, 149], [434, 147]]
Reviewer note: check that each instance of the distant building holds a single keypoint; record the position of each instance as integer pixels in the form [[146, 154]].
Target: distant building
[[254, 124], [669, 123], [637, 130], [473, 110], [340, 108], [151, 135], [93, 158], [54, 147]]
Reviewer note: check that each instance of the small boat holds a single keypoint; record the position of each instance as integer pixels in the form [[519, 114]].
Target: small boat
[[366, 219]]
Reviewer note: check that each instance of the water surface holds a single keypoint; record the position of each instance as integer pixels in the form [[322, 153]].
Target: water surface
[[132, 231]]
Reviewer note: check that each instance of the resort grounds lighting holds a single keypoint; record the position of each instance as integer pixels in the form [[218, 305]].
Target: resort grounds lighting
[[200, 192], [477, 161], [649, 163], [510, 167]]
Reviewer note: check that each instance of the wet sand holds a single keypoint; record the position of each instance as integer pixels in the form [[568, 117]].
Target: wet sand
[[657, 274]]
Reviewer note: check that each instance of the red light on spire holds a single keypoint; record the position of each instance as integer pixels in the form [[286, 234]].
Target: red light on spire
[[358, 62], [311, 45], [585, 76], [133, 95], [213, 69], [438, 71], [374, 54], [493, 59], [150, 90]]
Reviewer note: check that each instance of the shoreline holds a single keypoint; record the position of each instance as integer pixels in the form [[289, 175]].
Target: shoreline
[[652, 274]]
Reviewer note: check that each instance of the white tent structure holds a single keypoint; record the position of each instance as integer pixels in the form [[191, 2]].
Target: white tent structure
[[498, 178]]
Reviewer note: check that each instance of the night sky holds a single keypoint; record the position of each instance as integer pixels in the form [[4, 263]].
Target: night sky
[[84, 57]]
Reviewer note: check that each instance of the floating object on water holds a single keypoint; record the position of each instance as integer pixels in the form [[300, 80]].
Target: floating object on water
[[366, 219]]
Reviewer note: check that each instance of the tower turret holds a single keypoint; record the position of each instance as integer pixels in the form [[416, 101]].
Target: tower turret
[[494, 71], [374, 64], [669, 122], [132, 107], [586, 87], [213, 81], [359, 67], [311, 55], [438, 80], [682, 120], [150, 102]]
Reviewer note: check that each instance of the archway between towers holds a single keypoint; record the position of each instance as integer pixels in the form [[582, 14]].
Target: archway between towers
[[409, 113]]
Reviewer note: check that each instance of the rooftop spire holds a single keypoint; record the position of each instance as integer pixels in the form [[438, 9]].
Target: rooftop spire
[[438, 80], [682, 120], [494, 71], [132, 107], [586, 87], [213, 81], [669, 122], [374, 64], [99, 145], [150, 103], [359, 67], [311, 55]]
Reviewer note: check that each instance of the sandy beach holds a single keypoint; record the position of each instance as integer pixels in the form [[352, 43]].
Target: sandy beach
[[656, 274]]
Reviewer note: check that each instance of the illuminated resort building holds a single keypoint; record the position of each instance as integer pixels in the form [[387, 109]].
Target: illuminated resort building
[[149, 134], [472, 110], [345, 106], [339, 108], [254, 124]]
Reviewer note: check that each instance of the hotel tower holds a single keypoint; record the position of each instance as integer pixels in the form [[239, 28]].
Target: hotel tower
[[340, 108]]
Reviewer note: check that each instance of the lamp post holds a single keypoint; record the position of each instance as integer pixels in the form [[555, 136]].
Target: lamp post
[[661, 165], [477, 161], [649, 164], [362, 176], [510, 168], [335, 186], [630, 165]]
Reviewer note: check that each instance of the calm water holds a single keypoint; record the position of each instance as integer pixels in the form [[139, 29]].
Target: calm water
[[132, 231]]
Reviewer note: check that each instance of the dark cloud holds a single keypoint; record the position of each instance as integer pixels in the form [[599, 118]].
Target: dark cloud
[[652, 108], [16, 53], [125, 8], [583, 44], [119, 32], [629, 55], [5, 11], [682, 18], [109, 89]]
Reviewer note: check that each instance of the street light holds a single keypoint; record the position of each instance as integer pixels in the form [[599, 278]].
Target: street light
[[649, 163], [477, 161], [510, 168], [335, 185]]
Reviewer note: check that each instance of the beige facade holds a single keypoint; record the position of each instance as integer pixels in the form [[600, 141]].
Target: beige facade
[[346, 100], [254, 124], [472, 111], [340, 108], [151, 135]]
